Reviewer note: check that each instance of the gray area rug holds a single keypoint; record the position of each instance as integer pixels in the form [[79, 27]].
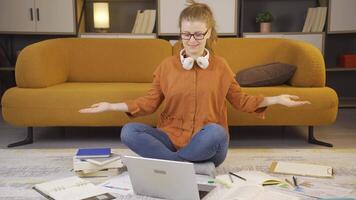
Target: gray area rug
[[21, 169]]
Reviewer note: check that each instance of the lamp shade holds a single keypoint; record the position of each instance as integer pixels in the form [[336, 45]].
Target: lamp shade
[[101, 15]]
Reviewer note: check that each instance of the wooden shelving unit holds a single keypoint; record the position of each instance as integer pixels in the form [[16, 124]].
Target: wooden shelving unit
[[347, 103], [122, 17], [116, 35], [289, 20], [7, 68], [340, 69]]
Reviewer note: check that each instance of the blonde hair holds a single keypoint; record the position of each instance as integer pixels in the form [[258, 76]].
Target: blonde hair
[[201, 12]]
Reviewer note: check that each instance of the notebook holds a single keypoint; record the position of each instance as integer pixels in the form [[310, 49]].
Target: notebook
[[93, 153], [72, 188], [301, 169]]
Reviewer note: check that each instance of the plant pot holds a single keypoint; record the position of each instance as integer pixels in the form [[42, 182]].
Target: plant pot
[[265, 27]]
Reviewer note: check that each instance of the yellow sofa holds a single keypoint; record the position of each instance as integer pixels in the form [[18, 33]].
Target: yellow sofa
[[55, 78]]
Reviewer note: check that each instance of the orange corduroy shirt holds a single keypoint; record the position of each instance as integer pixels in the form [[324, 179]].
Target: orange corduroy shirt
[[193, 98]]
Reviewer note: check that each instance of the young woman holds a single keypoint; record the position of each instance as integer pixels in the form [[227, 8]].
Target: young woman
[[193, 125]]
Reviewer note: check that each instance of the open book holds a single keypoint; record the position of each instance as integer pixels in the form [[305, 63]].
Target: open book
[[259, 178], [246, 191], [72, 188], [250, 189]]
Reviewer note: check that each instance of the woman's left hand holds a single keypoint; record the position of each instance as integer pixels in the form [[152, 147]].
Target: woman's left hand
[[289, 100]]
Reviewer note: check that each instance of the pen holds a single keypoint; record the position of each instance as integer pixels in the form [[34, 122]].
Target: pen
[[237, 176], [232, 181], [295, 181], [114, 187]]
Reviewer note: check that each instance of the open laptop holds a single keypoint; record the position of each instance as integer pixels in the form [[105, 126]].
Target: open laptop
[[163, 178]]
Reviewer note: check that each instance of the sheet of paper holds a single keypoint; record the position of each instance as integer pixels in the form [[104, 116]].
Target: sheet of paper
[[322, 190], [257, 177], [120, 184]]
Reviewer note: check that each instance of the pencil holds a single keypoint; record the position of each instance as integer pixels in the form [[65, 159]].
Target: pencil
[[295, 181], [237, 176]]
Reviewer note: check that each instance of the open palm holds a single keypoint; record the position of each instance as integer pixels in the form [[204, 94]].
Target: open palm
[[289, 100], [96, 108]]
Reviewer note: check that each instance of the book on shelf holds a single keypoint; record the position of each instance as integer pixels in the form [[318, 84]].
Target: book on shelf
[[322, 21], [315, 19], [312, 19], [318, 26], [144, 22], [307, 23], [315, 25], [151, 21], [72, 188], [138, 19], [93, 152]]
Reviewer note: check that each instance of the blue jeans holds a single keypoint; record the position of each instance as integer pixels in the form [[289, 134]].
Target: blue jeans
[[210, 144]]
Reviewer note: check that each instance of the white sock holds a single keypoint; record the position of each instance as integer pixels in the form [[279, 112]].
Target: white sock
[[205, 168]]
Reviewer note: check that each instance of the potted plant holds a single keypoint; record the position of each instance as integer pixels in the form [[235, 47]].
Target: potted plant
[[265, 19]]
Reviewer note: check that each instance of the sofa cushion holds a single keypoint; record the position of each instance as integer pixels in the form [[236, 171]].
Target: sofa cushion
[[60, 60], [265, 75]]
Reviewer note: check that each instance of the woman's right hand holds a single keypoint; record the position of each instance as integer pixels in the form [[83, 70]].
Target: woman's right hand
[[97, 108]]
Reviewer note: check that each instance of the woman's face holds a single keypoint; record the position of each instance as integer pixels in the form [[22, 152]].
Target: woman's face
[[194, 35]]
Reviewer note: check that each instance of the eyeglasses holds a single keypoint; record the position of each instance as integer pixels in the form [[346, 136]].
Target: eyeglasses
[[197, 35]]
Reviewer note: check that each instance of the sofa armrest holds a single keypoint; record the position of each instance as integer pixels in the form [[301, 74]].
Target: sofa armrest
[[309, 61], [41, 65]]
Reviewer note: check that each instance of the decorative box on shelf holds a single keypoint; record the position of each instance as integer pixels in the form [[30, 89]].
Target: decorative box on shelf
[[347, 60], [117, 35]]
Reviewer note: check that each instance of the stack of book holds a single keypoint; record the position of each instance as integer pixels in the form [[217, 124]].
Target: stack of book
[[97, 162], [315, 20], [145, 21]]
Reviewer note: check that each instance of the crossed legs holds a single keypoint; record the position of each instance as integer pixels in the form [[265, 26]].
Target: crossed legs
[[210, 144]]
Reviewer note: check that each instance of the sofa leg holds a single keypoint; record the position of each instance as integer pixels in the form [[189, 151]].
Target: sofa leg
[[27, 140], [313, 140]]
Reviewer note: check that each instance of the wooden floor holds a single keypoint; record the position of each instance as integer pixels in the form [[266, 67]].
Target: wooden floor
[[342, 134]]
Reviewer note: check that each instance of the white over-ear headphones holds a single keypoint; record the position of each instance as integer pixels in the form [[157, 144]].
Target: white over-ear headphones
[[202, 61]]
